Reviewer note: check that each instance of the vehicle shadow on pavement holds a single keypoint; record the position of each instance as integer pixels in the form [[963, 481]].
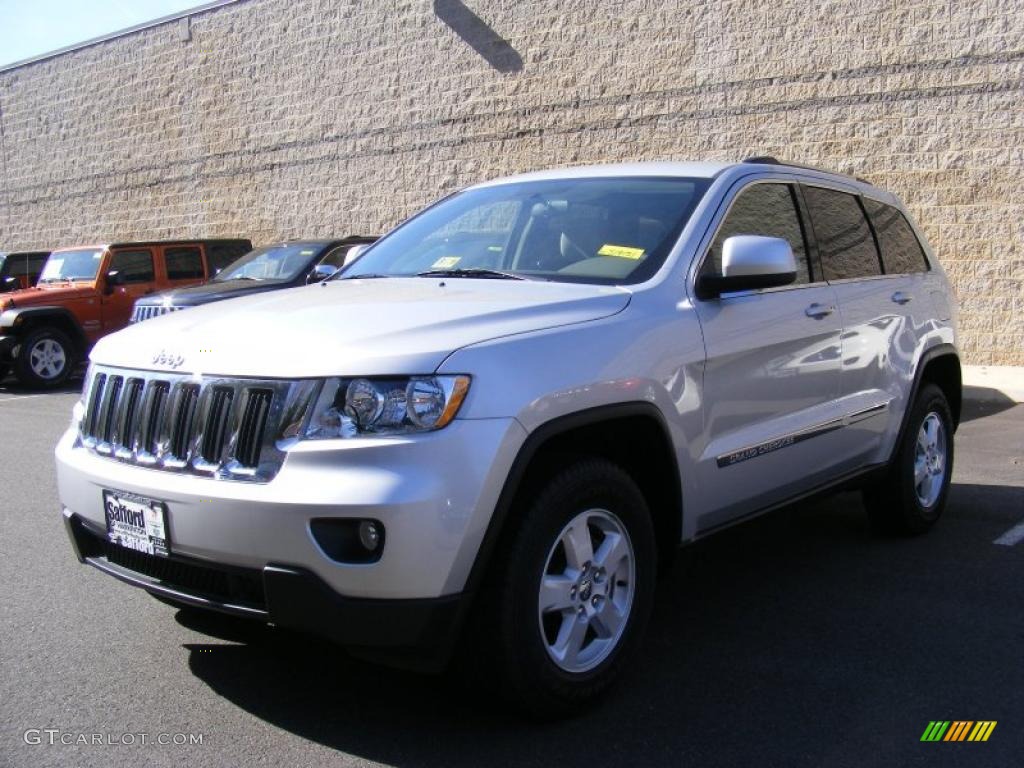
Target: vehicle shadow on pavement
[[799, 638], [980, 402], [11, 386]]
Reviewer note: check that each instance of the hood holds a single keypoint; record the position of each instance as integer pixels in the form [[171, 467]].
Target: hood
[[44, 296], [367, 327], [210, 291]]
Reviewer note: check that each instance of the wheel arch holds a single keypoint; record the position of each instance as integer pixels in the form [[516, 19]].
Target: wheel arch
[[633, 435], [939, 365], [28, 319]]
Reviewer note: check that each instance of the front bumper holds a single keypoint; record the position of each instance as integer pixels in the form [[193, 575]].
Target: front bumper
[[434, 494], [416, 633]]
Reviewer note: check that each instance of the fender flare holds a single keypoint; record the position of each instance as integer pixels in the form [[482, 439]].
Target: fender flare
[[930, 354], [13, 321], [528, 450]]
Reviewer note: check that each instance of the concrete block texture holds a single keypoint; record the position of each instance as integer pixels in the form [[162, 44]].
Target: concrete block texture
[[279, 118]]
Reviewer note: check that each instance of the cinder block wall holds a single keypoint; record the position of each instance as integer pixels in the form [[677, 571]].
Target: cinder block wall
[[277, 118]]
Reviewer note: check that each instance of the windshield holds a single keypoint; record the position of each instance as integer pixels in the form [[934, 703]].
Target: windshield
[[592, 230], [275, 262], [71, 265]]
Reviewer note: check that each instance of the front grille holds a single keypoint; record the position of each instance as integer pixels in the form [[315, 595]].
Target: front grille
[[146, 311], [212, 426]]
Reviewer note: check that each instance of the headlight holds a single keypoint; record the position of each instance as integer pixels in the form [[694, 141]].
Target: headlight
[[385, 406]]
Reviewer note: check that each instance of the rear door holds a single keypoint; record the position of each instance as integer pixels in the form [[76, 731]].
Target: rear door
[[874, 324], [772, 369], [135, 267]]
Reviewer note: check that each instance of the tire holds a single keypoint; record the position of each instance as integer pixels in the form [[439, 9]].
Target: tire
[[3, 372], [46, 359], [910, 499], [520, 642]]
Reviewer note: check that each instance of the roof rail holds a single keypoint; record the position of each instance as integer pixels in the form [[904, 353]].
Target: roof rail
[[769, 160]]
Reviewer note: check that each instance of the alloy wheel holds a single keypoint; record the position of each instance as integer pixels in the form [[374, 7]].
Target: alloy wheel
[[930, 460], [47, 359], [586, 591]]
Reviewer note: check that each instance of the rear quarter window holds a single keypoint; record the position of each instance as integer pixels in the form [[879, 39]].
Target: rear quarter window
[[901, 250]]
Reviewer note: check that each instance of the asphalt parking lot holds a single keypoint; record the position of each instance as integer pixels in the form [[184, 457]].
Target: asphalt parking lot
[[799, 639]]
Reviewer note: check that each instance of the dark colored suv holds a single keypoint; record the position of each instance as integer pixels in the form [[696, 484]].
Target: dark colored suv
[[20, 270], [270, 268]]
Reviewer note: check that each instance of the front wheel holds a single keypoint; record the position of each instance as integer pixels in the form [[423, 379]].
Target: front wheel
[[911, 497], [574, 590], [45, 360]]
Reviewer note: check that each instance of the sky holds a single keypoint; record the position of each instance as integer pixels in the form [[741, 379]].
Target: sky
[[32, 27]]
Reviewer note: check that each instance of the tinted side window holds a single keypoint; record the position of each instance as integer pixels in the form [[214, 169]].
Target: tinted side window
[[219, 255], [17, 264], [36, 262], [133, 266], [844, 238], [184, 263], [768, 210], [336, 258], [901, 251]]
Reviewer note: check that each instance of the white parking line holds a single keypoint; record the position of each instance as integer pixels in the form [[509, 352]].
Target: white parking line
[[1013, 536], [20, 397]]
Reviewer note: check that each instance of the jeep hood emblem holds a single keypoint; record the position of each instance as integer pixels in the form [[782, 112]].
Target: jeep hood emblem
[[171, 361]]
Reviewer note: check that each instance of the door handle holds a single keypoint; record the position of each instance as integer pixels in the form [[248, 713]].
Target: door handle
[[818, 311], [902, 298]]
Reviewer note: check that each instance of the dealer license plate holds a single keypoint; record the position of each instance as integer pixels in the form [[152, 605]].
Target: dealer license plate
[[136, 523]]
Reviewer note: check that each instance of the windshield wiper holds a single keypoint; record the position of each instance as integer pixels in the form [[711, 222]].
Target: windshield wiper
[[495, 274], [367, 276]]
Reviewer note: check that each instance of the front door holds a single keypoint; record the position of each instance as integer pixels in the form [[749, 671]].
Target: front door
[[771, 376], [135, 277]]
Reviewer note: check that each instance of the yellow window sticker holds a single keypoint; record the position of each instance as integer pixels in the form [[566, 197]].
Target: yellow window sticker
[[308, 252], [446, 262], [621, 251]]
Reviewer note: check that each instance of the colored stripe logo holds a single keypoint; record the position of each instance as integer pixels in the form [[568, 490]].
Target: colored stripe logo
[[958, 730]]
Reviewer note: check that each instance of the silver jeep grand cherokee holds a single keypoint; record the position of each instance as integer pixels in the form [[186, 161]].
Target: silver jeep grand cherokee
[[503, 418]]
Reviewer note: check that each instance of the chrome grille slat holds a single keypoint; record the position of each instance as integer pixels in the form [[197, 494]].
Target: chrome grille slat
[[127, 419], [247, 447], [108, 414], [93, 408], [147, 312], [228, 429], [182, 423], [215, 424], [152, 419]]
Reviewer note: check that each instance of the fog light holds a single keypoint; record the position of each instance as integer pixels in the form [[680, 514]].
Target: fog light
[[369, 535], [349, 540]]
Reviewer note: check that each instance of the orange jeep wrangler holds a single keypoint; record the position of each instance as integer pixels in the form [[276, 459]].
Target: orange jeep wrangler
[[87, 292]]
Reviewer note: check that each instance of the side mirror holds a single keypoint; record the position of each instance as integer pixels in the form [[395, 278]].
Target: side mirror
[[114, 279], [320, 272], [354, 253], [750, 262], [9, 284]]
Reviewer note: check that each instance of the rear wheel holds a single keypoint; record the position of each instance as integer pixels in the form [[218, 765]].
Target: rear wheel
[[46, 359], [912, 495], [573, 592]]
